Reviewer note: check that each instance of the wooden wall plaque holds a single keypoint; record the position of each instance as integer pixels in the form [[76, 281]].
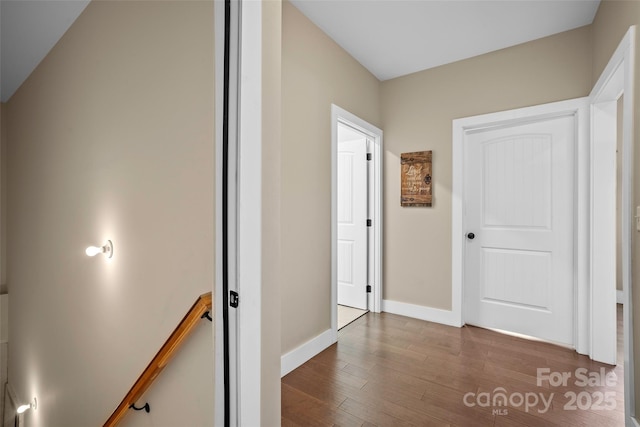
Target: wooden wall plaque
[[415, 172]]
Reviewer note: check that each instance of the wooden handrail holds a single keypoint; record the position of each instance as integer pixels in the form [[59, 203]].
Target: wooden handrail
[[173, 343]]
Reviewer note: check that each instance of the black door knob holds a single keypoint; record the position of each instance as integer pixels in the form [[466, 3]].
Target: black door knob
[[471, 236]]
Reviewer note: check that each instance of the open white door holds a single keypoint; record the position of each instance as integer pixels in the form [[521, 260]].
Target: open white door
[[342, 119], [519, 187], [352, 218]]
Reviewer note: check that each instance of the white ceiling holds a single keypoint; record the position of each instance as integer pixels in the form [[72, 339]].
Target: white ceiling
[[390, 38], [28, 31]]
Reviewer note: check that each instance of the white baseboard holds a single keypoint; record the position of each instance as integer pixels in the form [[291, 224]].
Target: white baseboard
[[421, 312], [619, 297], [306, 351]]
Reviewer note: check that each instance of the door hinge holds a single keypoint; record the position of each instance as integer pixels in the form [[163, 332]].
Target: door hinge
[[234, 299], [368, 289], [369, 156], [369, 222]]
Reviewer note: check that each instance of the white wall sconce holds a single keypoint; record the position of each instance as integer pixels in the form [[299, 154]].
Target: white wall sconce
[[23, 408], [106, 250]]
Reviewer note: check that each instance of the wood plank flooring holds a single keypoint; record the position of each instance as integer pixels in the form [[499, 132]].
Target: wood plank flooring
[[389, 370]]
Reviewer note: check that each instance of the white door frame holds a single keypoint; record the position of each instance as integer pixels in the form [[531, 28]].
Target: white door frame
[[461, 127], [218, 292], [248, 189], [244, 210], [339, 115], [616, 79]]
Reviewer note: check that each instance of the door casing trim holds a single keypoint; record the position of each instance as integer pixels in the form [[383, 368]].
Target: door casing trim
[[616, 79]]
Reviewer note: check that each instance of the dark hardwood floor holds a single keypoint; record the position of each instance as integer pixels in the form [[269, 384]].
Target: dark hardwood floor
[[389, 370]]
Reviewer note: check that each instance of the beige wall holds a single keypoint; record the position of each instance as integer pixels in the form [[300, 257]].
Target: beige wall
[[112, 138], [316, 72], [612, 21], [417, 112]]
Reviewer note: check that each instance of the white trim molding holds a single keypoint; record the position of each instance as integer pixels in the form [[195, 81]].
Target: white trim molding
[[301, 354], [244, 212], [430, 314], [218, 292], [618, 79], [249, 216]]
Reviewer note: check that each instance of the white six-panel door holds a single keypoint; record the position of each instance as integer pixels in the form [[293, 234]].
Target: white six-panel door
[[352, 223], [519, 269]]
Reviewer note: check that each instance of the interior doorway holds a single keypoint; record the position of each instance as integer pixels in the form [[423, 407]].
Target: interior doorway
[[356, 218]]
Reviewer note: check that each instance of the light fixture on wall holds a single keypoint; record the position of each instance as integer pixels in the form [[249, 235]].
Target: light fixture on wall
[[23, 408], [106, 250]]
